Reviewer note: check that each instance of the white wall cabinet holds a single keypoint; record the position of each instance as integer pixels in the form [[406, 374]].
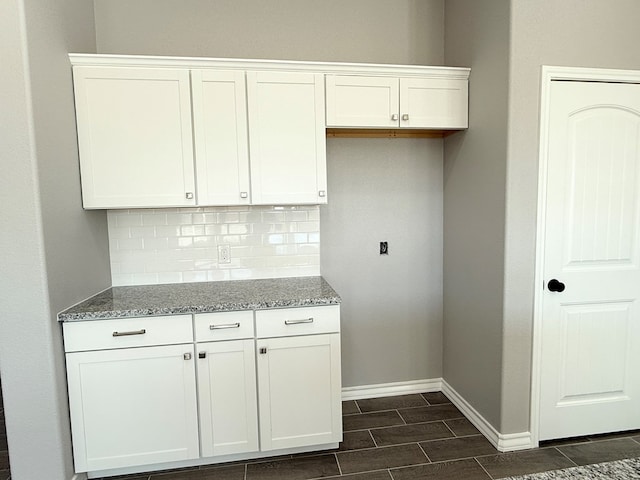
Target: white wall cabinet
[[131, 406], [258, 126], [220, 137], [287, 137], [134, 137], [390, 102], [152, 390]]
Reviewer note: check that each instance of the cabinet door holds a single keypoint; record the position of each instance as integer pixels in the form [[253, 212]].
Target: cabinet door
[[300, 391], [358, 101], [287, 138], [227, 397], [221, 143], [134, 406], [433, 103], [134, 137]]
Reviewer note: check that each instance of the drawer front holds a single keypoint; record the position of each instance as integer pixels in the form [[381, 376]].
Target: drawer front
[[288, 322], [224, 326], [127, 332]]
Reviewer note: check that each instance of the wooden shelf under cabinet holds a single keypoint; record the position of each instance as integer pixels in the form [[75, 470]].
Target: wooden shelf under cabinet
[[387, 133]]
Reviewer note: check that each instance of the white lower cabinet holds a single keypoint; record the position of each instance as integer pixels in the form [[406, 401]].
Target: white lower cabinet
[[132, 406], [299, 378], [156, 390]]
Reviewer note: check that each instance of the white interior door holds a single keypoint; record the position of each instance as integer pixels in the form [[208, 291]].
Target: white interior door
[[590, 356]]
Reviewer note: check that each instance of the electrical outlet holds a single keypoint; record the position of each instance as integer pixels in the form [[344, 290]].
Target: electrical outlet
[[384, 248], [224, 254]]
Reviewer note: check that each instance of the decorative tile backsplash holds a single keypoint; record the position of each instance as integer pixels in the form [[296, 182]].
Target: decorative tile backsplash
[[181, 244]]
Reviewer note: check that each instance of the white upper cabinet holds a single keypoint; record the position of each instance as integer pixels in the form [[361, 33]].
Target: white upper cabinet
[[220, 137], [134, 137], [159, 132], [287, 137], [391, 102]]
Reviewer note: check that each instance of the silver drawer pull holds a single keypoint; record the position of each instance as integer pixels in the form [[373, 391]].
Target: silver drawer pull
[[134, 332], [225, 325], [295, 322]]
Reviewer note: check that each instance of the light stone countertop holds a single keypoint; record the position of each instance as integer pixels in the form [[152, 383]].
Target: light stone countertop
[[203, 297]]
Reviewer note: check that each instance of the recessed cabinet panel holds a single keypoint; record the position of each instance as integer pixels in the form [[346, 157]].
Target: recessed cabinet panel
[[433, 103], [354, 101], [396, 102], [132, 406], [227, 396], [134, 137], [287, 138], [299, 383], [221, 142]]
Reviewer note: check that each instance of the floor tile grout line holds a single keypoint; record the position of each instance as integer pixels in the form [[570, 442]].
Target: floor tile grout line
[[483, 469], [424, 452], [335, 455], [450, 429], [565, 456], [373, 438]]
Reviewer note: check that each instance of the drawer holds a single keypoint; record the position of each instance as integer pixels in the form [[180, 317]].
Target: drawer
[[287, 322], [127, 332], [224, 326]]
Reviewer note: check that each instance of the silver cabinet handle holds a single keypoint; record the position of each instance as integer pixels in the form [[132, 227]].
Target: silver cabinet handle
[[296, 322], [263, 350], [225, 325], [125, 334], [244, 194], [189, 195], [394, 117], [322, 193], [202, 355], [405, 117], [187, 356]]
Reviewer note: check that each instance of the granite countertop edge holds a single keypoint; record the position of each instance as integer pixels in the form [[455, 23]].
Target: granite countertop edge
[[103, 307]]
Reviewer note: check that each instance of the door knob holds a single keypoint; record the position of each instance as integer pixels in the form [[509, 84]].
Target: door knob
[[555, 285]]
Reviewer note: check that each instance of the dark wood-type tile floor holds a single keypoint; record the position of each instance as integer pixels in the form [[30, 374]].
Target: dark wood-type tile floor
[[5, 474], [410, 437]]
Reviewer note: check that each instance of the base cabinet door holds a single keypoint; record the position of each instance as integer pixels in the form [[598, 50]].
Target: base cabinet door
[[134, 406], [227, 397], [299, 384]]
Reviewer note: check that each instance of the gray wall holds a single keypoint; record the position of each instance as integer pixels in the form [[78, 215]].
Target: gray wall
[[586, 33], [53, 253], [380, 190], [385, 190], [477, 35], [376, 31], [505, 43]]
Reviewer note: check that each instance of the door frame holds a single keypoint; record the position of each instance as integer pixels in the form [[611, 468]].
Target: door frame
[[549, 74]]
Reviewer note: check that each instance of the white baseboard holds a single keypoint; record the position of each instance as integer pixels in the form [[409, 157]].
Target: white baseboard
[[503, 442], [391, 389]]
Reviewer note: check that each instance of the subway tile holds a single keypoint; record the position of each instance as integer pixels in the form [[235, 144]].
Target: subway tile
[[179, 219], [125, 219], [380, 458], [129, 244]]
